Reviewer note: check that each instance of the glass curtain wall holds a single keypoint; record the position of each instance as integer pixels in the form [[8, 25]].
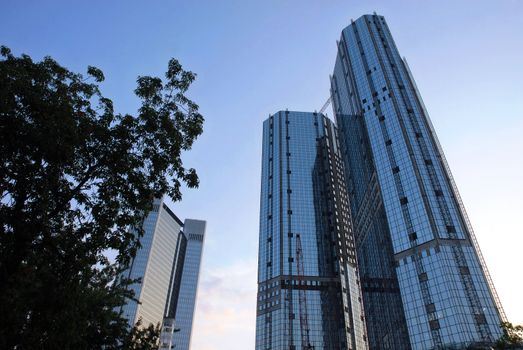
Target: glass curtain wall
[[308, 291], [424, 282]]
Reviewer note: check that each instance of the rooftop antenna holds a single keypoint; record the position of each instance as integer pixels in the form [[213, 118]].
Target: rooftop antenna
[[325, 105]]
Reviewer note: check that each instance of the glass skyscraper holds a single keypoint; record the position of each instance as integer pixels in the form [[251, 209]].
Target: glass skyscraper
[[424, 281], [168, 264], [308, 290], [153, 263], [183, 313]]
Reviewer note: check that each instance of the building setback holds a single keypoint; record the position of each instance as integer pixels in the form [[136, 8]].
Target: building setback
[[168, 264], [308, 291], [424, 281]]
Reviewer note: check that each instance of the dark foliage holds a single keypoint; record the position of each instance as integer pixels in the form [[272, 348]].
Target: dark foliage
[[512, 337], [75, 179]]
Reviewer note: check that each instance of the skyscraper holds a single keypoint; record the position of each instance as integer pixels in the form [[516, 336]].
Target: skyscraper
[[194, 230], [424, 281], [168, 264], [153, 263], [308, 291]]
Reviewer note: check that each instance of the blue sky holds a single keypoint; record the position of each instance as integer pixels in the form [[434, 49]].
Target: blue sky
[[256, 57]]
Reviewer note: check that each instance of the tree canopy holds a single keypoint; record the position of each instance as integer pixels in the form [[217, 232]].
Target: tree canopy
[[76, 181], [512, 337]]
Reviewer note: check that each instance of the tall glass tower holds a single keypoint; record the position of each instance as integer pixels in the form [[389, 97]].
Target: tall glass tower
[[424, 281], [308, 289]]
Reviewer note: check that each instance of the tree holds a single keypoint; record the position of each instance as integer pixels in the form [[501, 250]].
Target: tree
[[512, 337], [76, 181], [142, 338]]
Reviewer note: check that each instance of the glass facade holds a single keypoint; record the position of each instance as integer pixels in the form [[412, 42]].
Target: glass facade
[[153, 264], [423, 278], [194, 230], [308, 286], [168, 264]]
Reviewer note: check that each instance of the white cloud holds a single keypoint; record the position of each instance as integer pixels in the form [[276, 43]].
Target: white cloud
[[225, 315]]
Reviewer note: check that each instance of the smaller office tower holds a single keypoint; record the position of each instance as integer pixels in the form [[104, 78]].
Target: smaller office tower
[[308, 289], [168, 264], [161, 240], [194, 231]]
